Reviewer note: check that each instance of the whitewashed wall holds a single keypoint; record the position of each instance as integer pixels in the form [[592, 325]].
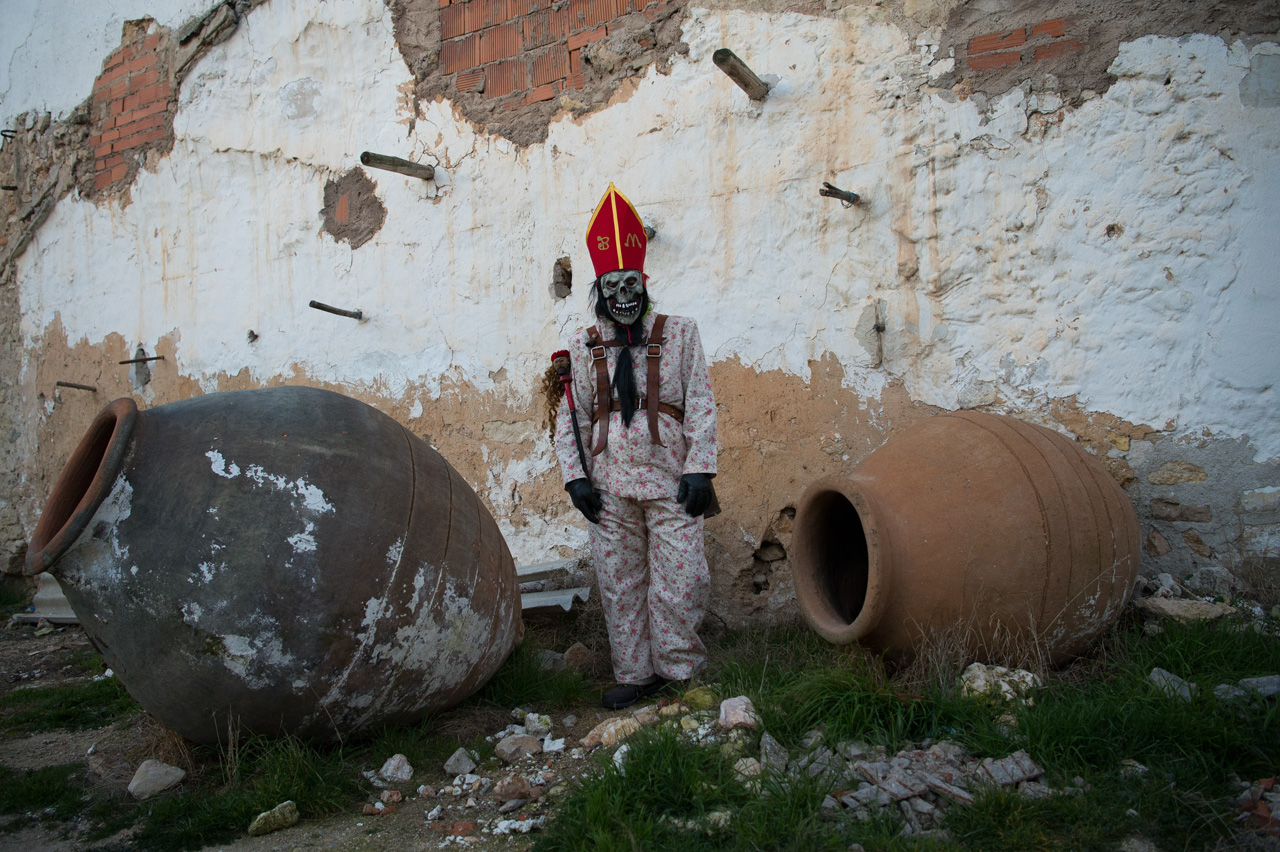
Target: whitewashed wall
[[984, 234]]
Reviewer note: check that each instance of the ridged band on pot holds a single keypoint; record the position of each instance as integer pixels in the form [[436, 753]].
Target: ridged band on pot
[[285, 560], [1004, 537]]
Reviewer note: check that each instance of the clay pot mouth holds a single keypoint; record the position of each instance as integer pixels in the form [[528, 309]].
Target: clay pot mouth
[[838, 570], [82, 486]]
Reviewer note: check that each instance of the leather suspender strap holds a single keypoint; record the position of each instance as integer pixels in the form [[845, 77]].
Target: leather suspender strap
[[662, 407], [653, 354], [603, 394]]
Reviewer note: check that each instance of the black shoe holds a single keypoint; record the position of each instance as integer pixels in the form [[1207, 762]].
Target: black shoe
[[626, 694]]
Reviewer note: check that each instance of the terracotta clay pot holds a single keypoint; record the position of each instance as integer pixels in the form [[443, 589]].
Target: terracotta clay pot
[[285, 560], [992, 534]]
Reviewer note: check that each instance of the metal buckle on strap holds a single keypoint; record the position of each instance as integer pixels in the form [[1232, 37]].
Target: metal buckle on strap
[[597, 349], [651, 353]]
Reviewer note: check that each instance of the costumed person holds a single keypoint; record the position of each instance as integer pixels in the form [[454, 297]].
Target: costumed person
[[640, 465]]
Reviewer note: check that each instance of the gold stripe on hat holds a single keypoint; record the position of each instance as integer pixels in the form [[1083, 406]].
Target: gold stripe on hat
[[617, 235]]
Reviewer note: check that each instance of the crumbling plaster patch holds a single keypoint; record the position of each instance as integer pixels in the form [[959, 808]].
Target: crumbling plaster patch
[[985, 245], [51, 57]]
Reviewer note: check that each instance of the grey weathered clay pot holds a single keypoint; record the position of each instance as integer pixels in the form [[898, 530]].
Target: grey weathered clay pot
[[285, 560]]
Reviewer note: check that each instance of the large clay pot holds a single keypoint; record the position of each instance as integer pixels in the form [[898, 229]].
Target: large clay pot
[[285, 560], [995, 535]]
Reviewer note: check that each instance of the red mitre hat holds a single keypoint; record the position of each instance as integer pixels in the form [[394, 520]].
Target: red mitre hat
[[615, 237]]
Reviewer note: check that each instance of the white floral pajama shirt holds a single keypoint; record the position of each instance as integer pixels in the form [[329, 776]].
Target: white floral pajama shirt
[[648, 552]]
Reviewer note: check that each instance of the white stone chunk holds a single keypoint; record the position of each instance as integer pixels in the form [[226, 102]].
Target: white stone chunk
[[397, 769], [738, 713], [154, 777], [460, 762]]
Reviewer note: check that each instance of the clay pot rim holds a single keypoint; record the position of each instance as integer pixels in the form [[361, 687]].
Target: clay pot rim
[[814, 602], [72, 503]]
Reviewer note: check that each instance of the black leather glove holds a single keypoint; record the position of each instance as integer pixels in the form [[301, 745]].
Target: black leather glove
[[586, 500], [696, 489]]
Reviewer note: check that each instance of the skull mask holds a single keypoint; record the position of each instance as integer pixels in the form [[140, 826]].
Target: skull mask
[[624, 295]]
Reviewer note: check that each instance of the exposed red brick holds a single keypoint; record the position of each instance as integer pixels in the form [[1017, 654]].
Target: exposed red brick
[[590, 13], [1055, 28], [102, 150], [115, 107], [541, 93], [550, 66], [141, 63], [536, 29], [143, 138], [498, 43], [342, 212], [444, 3], [119, 172], [111, 136], [149, 109], [575, 61], [106, 78], [151, 42], [997, 41], [460, 54], [102, 180], [503, 78], [575, 81], [543, 28], [653, 10], [474, 15], [142, 79], [578, 40], [497, 12], [1057, 48], [470, 81], [119, 57], [453, 21], [992, 61], [144, 123], [110, 162], [110, 91], [559, 24]]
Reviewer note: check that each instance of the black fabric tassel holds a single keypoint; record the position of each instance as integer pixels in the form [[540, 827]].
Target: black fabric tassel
[[624, 377]]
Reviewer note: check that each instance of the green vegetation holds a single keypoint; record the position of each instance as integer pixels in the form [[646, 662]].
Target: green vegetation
[[1078, 728], [76, 706], [257, 775], [523, 682], [676, 795], [228, 787]]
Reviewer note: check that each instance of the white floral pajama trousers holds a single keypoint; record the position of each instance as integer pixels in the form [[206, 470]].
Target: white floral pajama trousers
[[654, 585]]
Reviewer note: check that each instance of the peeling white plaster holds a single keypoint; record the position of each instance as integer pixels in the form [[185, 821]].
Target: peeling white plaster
[[305, 541], [221, 468], [50, 53], [258, 661], [395, 552], [1172, 318]]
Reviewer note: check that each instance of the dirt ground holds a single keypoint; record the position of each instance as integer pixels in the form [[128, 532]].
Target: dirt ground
[[28, 660]]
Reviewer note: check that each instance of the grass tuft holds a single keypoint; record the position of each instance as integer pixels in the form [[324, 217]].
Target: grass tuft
[[73, 706], [522, 681], [260, 773]]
